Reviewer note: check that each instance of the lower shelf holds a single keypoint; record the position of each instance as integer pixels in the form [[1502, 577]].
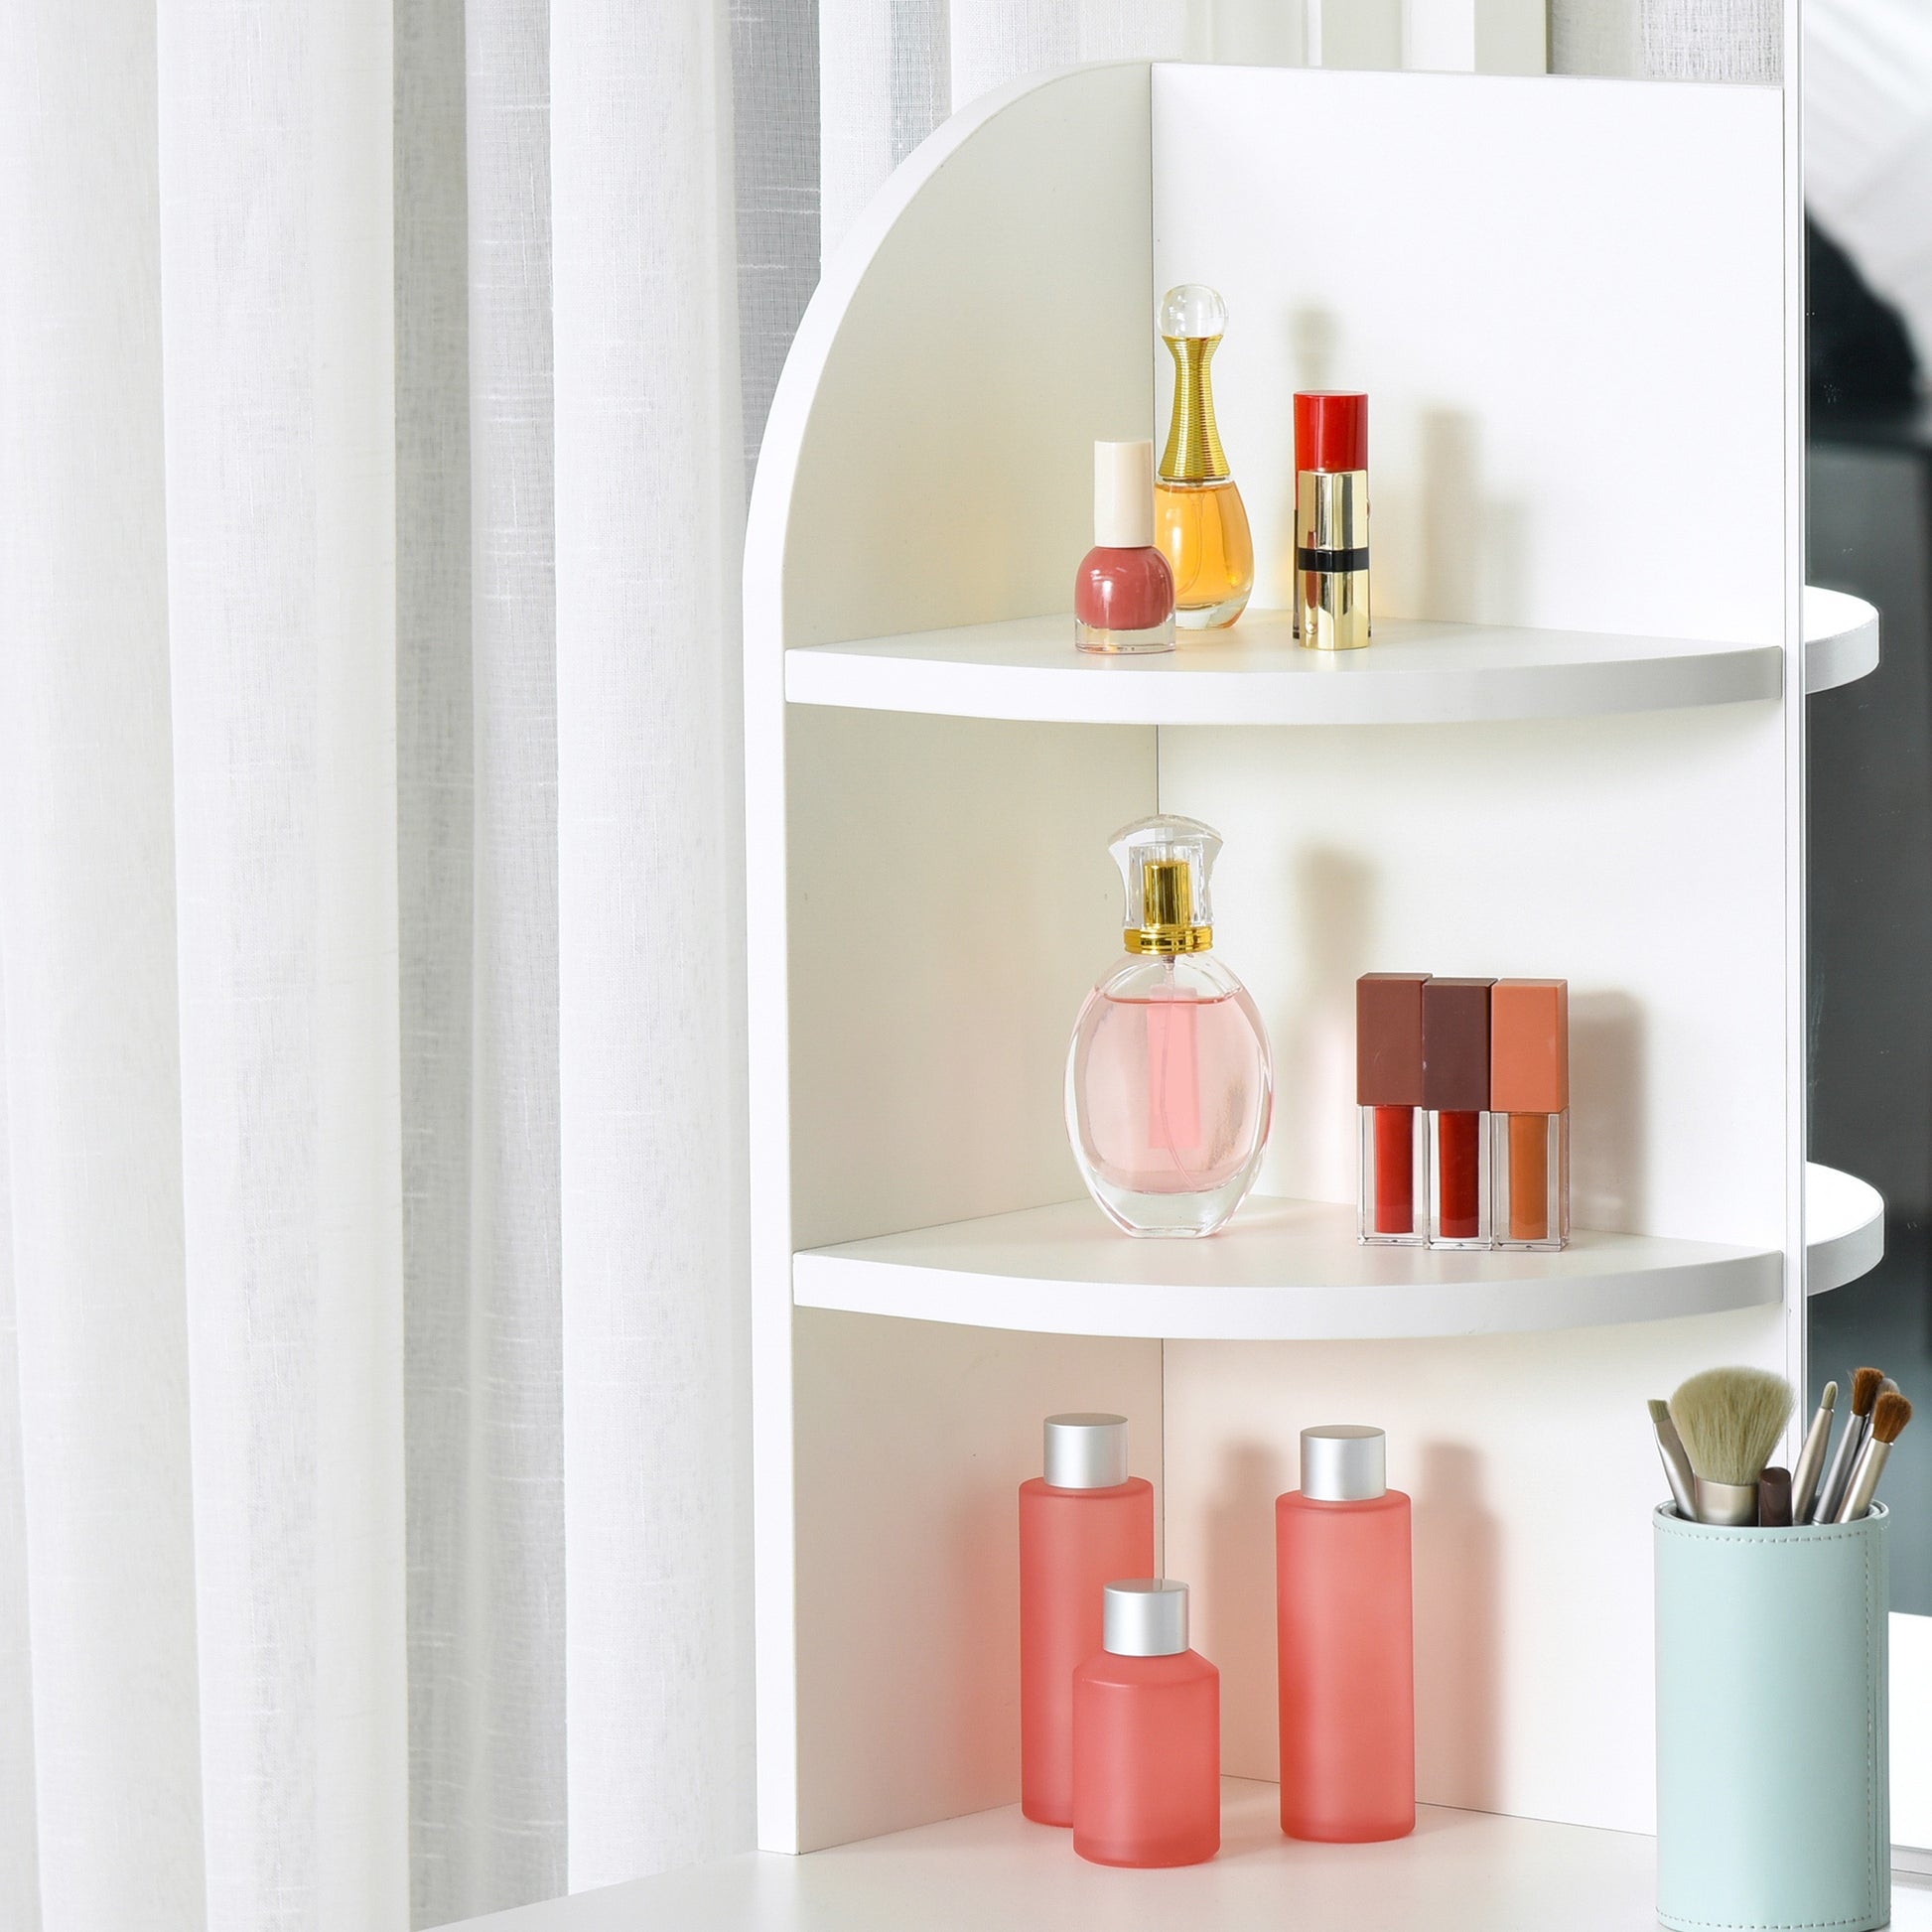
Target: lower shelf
[[1293, 1271], [1460, 1872]]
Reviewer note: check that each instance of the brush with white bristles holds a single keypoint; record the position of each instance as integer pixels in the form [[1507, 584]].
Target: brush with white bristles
[[1731, 1420], [1889, 1414]]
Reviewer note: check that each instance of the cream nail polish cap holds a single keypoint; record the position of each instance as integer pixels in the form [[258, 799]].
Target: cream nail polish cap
[[1123, 495]]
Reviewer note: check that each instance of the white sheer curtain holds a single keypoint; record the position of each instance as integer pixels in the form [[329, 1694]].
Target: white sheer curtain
[[372, 1538]]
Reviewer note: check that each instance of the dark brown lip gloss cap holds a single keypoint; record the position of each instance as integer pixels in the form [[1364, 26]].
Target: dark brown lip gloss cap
[[1388, 1040], [1455, 1046]]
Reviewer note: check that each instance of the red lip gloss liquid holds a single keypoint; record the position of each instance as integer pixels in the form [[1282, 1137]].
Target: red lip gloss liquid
[[1123, 591], [1393, 1201], [1456, 1092]]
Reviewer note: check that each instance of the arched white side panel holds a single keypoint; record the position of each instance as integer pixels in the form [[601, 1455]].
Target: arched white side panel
[[927, 461]]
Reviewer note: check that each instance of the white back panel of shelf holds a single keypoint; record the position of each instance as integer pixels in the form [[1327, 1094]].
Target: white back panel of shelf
[[1565, 298], [1553, 291]]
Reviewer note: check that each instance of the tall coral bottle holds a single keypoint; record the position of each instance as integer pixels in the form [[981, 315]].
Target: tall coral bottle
[[1082, 1524], [1345, 1630], [1199, 520]]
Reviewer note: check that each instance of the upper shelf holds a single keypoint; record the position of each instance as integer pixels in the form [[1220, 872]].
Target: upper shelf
[[1293, 1271], [1415, 672]]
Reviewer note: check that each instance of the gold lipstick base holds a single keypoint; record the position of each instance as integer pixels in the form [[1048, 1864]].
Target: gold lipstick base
[[1332, 608]]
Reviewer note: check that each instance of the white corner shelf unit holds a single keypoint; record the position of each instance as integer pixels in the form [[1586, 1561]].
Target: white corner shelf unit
[[1588, 534]]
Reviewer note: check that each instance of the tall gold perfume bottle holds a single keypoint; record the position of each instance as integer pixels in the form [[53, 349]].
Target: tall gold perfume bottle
[[1199, 520]]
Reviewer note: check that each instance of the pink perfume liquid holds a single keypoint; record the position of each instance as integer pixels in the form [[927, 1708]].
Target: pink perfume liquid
[[1169, 1095]]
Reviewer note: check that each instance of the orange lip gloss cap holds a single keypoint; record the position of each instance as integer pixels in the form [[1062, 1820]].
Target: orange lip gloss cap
[[1529, 1046]]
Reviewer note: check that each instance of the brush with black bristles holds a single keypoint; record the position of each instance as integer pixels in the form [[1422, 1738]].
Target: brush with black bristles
[[1867, 1383], [1889, 1414], [1731, 1420]]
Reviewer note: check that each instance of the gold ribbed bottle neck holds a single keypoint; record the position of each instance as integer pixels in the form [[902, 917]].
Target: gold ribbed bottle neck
[[1194, 453]]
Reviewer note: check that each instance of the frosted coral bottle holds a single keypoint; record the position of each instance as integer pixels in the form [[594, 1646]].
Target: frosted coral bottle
[[1082, 1524], [1146, 1736], [1345, 1627]]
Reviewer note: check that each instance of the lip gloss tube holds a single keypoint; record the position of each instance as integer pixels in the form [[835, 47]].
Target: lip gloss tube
[[1332, 610], [1392, 1203], [1529, 1099], [1456, 1092]]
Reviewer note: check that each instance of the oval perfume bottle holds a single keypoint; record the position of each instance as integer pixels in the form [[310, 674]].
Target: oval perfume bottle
[[1170, 1089], [1199, 520]]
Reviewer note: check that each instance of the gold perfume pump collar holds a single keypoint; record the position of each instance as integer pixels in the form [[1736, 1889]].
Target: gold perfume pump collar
[[1168, 911], [1194, 453]]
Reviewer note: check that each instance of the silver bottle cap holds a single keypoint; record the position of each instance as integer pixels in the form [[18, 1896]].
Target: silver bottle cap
[[1145, 1618], [1343, 1462], [1085, 1452]]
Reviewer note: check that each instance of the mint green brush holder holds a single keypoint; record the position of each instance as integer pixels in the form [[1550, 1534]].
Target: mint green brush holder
[[1773, 1800]]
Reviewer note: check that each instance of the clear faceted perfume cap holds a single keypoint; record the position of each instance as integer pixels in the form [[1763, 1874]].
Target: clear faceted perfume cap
[[1343, 1462], [1146, 1617], [1085, 1452], [1192, 309], [1165, 865]]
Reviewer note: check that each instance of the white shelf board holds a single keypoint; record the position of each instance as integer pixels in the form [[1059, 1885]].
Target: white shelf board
[[1841, 638], [1255, 673], [1458, 1872], [1845, 1228], [1415, 672], [1282, 1271]]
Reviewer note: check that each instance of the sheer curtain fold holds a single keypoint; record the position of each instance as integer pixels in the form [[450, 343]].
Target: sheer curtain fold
[[100, 1607], [277, 398], [649, 497]]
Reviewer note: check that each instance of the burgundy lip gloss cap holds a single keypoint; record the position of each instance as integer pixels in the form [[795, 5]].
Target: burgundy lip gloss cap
[[1331, 429], [1455, 1046], [1388, 1040]]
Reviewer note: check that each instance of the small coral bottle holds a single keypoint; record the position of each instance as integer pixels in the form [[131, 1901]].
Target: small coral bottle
[[1147, 1736], [1082, 1523], [1344, 1622]]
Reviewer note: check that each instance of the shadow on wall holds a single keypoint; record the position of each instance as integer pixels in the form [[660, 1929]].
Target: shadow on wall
[[1459, 1639], [1240, 1571], [1608, 1171], [1315, 1052]]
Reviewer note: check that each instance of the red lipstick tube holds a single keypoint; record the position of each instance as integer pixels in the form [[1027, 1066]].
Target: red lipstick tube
[[1456, 1092], [1331, 519], [1392, 1207]]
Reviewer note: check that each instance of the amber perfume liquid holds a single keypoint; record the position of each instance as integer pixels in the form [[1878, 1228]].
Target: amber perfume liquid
[[1202, 530]]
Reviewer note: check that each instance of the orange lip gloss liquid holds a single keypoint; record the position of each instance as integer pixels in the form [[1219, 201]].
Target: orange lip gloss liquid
[[1529, 1099]]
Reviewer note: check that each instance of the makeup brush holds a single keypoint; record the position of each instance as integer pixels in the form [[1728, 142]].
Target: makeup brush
[[1775, 1499], [1889, 1416], [1811, 1459], [1864, 1391], [1731, 1420], [1676, 1465]]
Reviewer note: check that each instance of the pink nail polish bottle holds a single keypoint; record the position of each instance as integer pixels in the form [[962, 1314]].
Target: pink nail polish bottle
[[1123, 591], [1146, 1736], [1344, 1620], [1082, 1523]]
